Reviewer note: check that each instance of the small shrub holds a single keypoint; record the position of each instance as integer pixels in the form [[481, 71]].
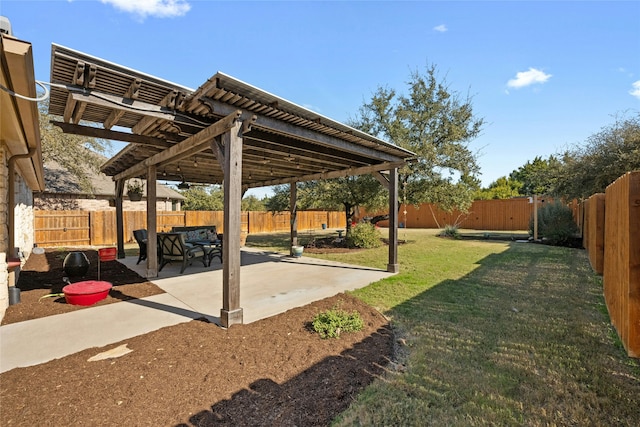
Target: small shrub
[[331, 323], [555, 224], [364, 235], [450, 231]]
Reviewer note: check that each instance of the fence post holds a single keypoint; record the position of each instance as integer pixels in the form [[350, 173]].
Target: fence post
[[535, 217]]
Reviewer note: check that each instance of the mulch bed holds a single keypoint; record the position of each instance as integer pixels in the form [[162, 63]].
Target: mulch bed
[[43, 275], [326, 245], [271, 372]]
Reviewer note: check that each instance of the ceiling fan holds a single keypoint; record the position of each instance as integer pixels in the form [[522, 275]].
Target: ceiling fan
[[183, 185]]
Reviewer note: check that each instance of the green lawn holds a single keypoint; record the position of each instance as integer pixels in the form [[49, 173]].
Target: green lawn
[[494, 333]]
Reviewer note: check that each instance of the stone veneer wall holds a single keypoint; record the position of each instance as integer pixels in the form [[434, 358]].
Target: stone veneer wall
[[24, 230], [24, 220], [4, 232]]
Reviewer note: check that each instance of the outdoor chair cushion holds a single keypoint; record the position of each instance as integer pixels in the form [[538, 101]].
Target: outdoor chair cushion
[[173, 247]]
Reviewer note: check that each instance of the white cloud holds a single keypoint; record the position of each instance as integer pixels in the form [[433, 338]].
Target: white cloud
[[157, 8], [636, 89], [625, 71], [527, 78], [440, 28]]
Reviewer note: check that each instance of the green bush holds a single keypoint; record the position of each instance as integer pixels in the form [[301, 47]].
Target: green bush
[[555, 224], [331, 323], [364, 235], [450, 231]]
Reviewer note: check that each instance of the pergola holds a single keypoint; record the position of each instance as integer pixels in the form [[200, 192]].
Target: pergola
[[225, 132]]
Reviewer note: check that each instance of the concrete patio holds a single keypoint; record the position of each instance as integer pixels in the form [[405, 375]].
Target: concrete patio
[[271, 283]]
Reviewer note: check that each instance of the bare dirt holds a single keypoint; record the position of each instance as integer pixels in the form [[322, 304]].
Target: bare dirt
[[276, 371]]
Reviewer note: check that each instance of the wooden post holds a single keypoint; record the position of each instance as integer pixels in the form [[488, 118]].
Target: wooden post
[[293, 207], [231, 312], [119, 218], [152, 221], [393, 266], [535, 217]]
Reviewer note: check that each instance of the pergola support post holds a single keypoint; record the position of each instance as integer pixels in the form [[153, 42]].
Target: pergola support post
[[393, 266], [293, 208], [152, 221], [231, 312], [120, 218]]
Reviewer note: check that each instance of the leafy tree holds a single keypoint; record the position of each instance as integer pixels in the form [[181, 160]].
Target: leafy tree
[[203, 198], [279, 202], [252, 203], [606, 156], [350, 193], [502, 188], [75, 153], [538, 176], [437, 125], [347, 193]]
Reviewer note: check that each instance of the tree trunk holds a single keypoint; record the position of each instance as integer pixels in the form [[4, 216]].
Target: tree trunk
[[348, 211]]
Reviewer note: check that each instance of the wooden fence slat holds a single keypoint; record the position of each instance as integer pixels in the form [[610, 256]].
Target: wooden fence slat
[[621, 275], [593, 223], [85, 228], [509, 214]]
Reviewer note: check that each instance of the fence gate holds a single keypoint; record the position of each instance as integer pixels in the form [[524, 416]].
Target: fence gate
[[62, 228]]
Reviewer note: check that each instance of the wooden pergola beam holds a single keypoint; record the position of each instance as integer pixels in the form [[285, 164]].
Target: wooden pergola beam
[[80, 97], [293, 131], [382, 179], [126, 104], [117, 114], [197, 142], [333, 174], [111, 134]]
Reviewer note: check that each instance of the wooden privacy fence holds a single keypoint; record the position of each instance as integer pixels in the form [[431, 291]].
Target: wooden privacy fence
[[592, 214], [83, 228], [611, 231], [508, 214], [98, 228]]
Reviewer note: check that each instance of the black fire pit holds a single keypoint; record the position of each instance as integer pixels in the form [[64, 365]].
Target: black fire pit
[[76, 264]]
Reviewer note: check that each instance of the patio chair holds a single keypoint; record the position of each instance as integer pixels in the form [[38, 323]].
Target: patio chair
[[141, 238], [174, 248]]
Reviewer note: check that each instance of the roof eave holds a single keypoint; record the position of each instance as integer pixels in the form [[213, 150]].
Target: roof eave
[[24, 135]]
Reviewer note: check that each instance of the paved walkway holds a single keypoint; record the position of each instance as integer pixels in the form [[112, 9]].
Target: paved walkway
[[270, 284]]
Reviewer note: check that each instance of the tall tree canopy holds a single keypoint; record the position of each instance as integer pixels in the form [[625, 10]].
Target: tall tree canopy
[[538, 176], [203, 198], [75, 153], [252, 203], [607, 155], [502, 188], [437, 125]]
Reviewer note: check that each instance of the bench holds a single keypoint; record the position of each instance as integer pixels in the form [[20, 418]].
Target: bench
[[173, 247]]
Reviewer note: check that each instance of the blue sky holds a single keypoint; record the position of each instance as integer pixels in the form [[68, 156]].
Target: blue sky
[[543, 75]]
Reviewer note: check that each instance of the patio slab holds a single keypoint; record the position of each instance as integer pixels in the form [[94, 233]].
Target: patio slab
[[270, 284]]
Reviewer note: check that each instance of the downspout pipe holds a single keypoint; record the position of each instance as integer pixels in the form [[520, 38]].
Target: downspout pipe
[[12, 198]]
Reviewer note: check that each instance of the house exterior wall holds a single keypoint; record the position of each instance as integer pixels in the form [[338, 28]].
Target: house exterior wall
[[24, 226], [4, 231], [54, 202]]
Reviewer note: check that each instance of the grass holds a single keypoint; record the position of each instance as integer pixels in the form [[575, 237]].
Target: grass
[[494, 333]]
